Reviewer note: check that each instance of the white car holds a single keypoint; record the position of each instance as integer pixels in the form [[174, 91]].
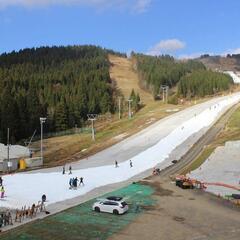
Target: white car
[[115, 207]]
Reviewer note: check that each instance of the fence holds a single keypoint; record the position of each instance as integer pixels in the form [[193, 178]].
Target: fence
[[63, 133]]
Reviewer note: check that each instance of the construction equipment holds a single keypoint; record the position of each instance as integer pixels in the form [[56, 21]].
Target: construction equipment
[[184, 182]]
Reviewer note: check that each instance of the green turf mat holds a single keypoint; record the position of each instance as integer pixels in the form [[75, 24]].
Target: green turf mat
[[81, 222]]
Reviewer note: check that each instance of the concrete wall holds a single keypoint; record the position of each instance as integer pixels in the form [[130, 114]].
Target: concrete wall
[[34, 162], [4, 164]]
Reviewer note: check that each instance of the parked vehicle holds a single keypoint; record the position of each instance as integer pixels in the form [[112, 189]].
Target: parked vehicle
[[110, 206]]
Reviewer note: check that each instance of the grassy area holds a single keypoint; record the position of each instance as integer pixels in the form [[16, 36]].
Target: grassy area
[[81, 222], [230, 133], [199, 160]]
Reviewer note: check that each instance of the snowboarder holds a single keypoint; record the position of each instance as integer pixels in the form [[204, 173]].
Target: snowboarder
[[116, 164], [63, 171], [81, 181], [131, 165], [70, 169], [2, 191], [1, 181]]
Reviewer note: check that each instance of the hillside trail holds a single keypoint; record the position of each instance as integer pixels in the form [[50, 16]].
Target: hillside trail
[[123, 73]]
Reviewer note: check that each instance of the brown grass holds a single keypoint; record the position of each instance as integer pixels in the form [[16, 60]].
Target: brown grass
[[122, 71]]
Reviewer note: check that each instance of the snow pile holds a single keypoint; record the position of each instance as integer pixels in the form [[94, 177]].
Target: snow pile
[[223, 167], [15, 151], [24, 189], [235, 77]]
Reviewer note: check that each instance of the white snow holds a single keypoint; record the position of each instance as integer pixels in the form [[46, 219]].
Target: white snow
[[27, 188], [223, 166], [235, 77], [15, 151]]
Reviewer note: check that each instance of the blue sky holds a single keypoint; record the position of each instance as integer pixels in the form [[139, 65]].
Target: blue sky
[[182, 28]]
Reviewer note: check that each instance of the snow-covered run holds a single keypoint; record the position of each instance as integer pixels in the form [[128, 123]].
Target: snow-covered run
[[221, 170], [235, 77], [15, 151], [27, 188]]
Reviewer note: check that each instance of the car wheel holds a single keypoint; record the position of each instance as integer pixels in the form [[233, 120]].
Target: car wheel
[[97, 209], [115, 212]]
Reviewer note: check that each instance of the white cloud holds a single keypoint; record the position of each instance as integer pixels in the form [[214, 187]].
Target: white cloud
[[138, 6], [141, 5], [231, 51], [166, 47]]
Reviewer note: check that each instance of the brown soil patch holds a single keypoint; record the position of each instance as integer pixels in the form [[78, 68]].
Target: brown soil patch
[[159, 190]]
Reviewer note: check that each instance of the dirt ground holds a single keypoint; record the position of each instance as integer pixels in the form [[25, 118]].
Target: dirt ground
[[184, 215]]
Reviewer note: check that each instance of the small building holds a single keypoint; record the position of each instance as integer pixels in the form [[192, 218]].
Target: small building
[[16, 152]]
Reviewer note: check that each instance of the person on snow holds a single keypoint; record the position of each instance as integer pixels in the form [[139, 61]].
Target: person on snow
[[75, 181], [70, 169], [131, 165], [116, 164], [63, 171], [1, 181], [71, 183], [44, 198], [2, 191], [81, 181]]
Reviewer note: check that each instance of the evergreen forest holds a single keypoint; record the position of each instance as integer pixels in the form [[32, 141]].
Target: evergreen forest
[[63, 84], [191, 76]]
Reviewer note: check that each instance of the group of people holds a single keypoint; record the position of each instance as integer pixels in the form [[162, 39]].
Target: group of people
[[2, 190], [130, 164], [73, 182]]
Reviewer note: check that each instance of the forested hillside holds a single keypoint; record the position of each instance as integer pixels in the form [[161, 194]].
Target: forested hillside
[[60, 83], [162, 70], [190, 76], [201, 83]]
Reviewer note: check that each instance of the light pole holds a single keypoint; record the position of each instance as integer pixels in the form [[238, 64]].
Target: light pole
[[8, 151], [92, 118], [42, 120], [119, 107], [129, 108], [165, 93]]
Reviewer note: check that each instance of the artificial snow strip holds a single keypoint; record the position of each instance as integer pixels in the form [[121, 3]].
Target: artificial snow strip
[[27, 188]]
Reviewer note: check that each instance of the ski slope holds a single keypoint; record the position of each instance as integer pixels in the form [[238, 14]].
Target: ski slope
[[235, 77], [27, 188]]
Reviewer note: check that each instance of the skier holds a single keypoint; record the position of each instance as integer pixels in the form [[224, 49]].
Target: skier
[[116, 164], [131, 165], [70, 169], [81, 181], [1, 181], [63, 170], [2, 191]]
